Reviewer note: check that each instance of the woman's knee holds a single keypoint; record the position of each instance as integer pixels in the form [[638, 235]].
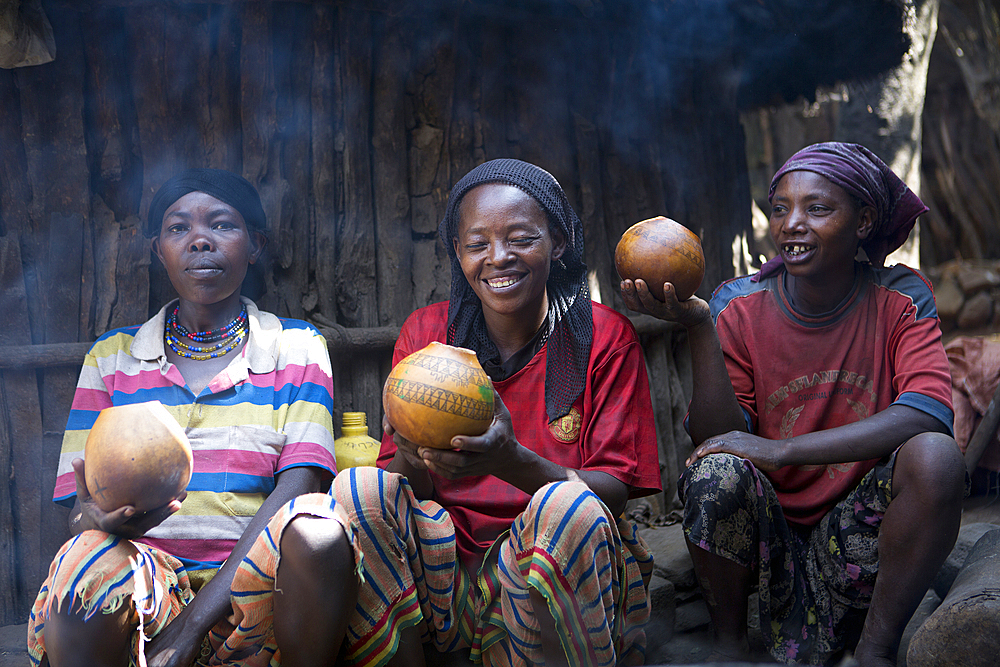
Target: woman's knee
[[556, 507], [88, 568], [379, 504], [717, 475], [552, 498], [313, 538], [932, 464], [313, 549], [88, 616], [74, 637]]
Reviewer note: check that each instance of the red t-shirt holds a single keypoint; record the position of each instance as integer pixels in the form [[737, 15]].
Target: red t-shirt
[[610, 427], [795, 374]]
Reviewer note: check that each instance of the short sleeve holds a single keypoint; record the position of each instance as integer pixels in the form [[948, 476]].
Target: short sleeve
[[921, 375], [306, 375], [93, 393]]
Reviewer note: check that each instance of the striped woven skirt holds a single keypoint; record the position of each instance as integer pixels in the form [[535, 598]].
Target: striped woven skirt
[[591, 569], [99, 573]]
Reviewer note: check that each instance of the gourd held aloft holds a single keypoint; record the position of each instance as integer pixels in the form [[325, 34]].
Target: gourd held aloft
[[660, 250]]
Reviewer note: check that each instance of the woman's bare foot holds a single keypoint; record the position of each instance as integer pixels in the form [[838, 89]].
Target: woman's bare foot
[[872, 656]]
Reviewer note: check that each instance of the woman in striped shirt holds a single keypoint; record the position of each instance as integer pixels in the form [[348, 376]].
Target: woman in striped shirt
[[198, 578]]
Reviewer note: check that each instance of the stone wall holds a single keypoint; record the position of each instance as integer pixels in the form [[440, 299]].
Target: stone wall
[[967, 293]]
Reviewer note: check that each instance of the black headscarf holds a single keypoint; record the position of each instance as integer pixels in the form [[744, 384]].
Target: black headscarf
[[227, 187], [570, 319], [223, 185]]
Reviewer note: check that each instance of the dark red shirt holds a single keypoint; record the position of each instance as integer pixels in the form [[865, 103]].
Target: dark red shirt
[[610, 427], [795, 374]]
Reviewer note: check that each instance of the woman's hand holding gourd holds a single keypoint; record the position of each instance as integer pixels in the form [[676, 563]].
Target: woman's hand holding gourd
[[486, 454], [123, 521], [688, 313], [410, 451]]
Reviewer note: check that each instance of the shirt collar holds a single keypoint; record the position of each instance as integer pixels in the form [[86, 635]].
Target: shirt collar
[[260, 351], [501, 370]]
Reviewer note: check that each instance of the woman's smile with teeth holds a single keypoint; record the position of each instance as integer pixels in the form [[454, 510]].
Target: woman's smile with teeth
[[796, 249], [506, 281]]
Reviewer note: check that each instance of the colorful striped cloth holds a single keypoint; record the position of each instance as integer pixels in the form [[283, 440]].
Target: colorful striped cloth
[[271, 409], [591, 568], [96, 572]]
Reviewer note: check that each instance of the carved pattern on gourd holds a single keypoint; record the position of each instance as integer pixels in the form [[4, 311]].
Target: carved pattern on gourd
[[440, 399], [673, 241], [442, 369]]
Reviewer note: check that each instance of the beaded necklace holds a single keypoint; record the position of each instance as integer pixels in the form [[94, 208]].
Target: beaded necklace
[[222, 340]]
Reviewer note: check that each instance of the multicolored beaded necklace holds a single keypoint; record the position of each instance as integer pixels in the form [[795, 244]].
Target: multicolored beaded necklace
[[221, 341]]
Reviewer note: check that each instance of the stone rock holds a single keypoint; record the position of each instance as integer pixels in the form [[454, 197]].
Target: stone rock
[[688, 649], [965, 628], [949, 298], [974, 278], [976, 311], [692, 616], [968, 535], [662, 602], [14, 645], [662, 597], [670, 555]]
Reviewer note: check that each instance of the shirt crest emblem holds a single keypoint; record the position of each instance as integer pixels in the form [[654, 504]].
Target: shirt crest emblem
[[567, 427]]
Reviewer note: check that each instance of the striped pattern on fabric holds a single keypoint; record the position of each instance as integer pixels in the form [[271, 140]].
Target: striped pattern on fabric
[[250, 641], [566, 545], [410, 565], [271, 409], [99, 572]]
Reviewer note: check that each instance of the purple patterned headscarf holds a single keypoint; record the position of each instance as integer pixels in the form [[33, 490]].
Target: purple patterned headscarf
[[862, 174]]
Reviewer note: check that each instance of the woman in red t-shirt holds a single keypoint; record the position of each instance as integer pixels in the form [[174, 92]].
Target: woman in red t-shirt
[[822, 417], [511, 547]]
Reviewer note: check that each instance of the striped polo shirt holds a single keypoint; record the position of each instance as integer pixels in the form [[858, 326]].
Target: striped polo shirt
[[270, 410]]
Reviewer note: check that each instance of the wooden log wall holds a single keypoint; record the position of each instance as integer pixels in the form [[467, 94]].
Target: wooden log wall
[[353, 124], [959, 146]]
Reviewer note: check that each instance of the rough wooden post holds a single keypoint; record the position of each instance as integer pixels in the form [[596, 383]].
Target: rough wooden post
[[984, 433], [52, 103], [886, 114]]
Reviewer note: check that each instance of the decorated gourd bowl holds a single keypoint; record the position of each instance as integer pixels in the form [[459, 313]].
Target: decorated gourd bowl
[[660, 250], [436, 393]]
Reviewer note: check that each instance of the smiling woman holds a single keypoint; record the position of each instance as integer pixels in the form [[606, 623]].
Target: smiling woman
[[505, 247], [253, 394], [517, 549], [825, 474]]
